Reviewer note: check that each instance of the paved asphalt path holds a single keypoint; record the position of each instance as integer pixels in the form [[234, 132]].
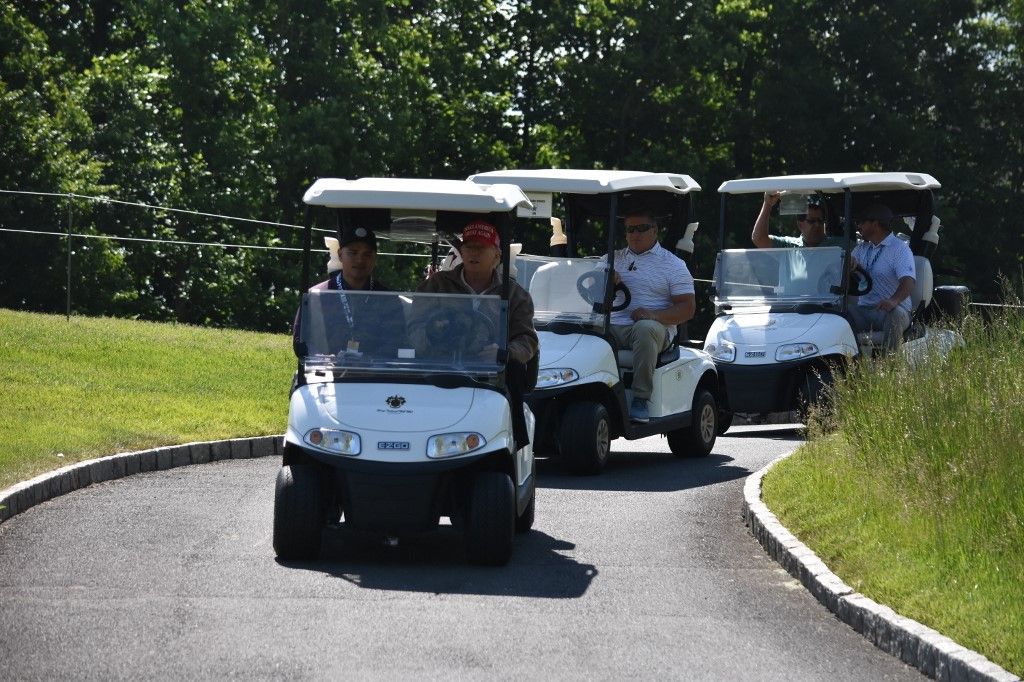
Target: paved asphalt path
[[646, 571]]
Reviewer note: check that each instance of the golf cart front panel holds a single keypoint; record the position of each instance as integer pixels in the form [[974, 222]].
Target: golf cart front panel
[[776, 306], [388, 376], [403, 400]]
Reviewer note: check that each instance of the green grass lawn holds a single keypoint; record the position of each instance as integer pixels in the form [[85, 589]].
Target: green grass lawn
[[89, 387], [912, 491]]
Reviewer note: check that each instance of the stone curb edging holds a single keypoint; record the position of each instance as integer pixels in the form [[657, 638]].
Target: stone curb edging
[[915, 644], [27, 494]]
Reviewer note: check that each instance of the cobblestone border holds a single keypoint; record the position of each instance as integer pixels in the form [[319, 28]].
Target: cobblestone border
[[934, 654], [25, 495]]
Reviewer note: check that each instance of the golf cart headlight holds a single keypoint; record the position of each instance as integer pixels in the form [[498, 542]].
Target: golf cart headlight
[[795, 351], [451, 444], [333, 440], [547, 378], [724, 351]]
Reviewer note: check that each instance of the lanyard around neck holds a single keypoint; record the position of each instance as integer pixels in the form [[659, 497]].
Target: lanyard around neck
[[339, 281], [870, 265]]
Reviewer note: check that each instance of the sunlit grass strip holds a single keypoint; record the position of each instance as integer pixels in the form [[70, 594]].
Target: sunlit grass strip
[[89, 387], [913, 490]]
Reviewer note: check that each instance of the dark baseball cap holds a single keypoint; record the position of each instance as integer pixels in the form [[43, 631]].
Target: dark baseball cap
[[879, 212], [358, 234]]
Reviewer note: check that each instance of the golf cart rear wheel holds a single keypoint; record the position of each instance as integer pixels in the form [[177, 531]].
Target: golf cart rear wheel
[[490, 519], [698, 438], [584, 437], [299, 512]]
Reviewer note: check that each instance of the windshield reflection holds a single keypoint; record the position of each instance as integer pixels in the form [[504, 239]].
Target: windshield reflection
[[787, 275], [394, 332], [563, 289]]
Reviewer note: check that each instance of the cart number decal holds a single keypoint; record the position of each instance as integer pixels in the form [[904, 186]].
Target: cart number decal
[[392, 445]]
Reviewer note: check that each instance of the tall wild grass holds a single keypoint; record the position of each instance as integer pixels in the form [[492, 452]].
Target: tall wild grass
[[912, 486]]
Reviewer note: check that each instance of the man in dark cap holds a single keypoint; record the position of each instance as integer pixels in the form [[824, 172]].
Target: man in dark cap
[[356, 256], [890, 263]]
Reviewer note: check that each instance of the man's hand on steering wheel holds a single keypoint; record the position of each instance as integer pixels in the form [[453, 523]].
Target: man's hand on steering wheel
[[488, 353]]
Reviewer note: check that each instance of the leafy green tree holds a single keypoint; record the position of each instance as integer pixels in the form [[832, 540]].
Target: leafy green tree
[[43, 148]]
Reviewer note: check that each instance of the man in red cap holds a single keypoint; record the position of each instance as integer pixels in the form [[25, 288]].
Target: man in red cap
[[477, 274]]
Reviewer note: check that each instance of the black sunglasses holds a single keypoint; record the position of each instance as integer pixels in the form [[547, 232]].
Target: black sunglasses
[[642, 227], [814, 221]]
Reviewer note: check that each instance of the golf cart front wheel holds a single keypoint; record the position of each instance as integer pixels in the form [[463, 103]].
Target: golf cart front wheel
[[584, 438], [524, 522], [299, 512], [697, 439], [490, 519], [813, 392]]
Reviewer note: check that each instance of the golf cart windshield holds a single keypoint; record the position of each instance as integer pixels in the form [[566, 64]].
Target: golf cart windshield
[[564, 290], [779, 277], [391, 333]]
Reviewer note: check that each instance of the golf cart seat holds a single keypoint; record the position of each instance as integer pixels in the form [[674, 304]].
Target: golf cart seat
[[553, 288], [920, 297], [625, 357]]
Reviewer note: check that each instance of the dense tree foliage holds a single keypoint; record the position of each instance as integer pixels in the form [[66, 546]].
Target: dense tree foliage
[[234, 106]]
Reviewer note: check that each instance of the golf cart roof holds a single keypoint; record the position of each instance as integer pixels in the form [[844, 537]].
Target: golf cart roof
[[832, 182], [415, 194], [573, 181]]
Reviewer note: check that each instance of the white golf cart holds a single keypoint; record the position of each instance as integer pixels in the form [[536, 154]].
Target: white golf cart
[[781, 327], [391, 425], [583, 388]]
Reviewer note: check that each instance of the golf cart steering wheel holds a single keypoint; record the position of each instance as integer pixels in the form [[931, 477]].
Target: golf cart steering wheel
[[860, 282], [587, 286]]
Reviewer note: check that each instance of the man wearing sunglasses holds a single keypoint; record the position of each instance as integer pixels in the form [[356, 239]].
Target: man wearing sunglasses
[[811, 225], [662, 297]]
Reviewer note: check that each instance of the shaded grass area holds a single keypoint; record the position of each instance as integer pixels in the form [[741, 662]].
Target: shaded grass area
[[89, 387], [912, 488]]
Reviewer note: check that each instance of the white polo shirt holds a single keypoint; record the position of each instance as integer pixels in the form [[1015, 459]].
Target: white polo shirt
[[887, 263], [653, 278]]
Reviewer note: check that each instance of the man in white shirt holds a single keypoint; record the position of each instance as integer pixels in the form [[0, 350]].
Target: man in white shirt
[[662, 297], [890, 263]]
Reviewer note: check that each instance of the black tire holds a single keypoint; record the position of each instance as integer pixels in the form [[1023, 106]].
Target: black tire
[[524, 522], [724, 421], [299, 512], [813, 391], [584, 437], [490, 519], [698, 438]]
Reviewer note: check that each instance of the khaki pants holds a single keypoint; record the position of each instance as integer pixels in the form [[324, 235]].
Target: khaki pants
[[647, 339]]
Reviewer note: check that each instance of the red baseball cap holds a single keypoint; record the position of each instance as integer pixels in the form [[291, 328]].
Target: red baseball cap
[[480, 231]]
